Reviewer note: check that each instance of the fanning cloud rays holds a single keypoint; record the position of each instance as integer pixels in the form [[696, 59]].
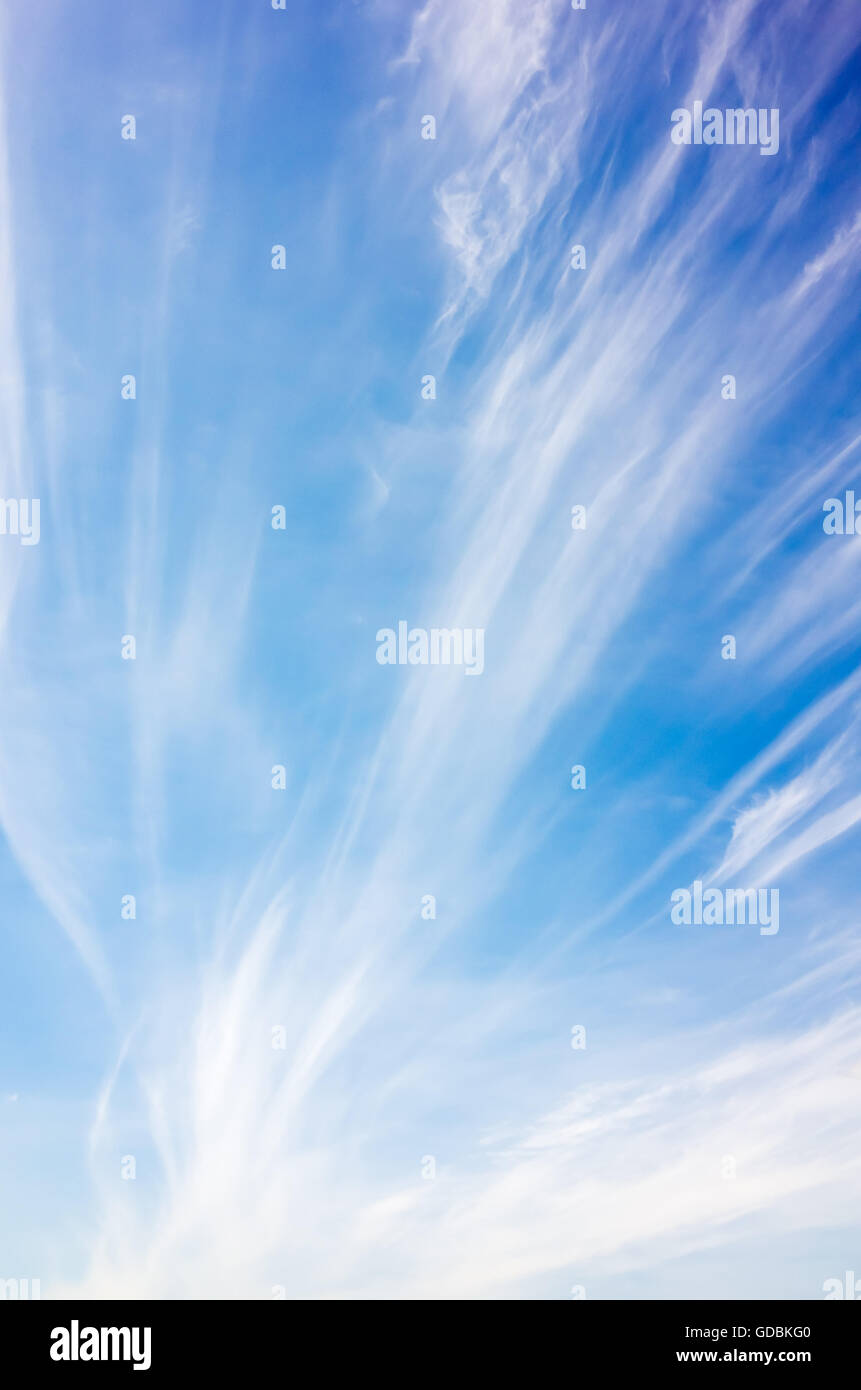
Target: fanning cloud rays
[[334, 924]]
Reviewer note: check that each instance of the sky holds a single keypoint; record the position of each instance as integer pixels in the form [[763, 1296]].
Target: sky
[[327, 978]]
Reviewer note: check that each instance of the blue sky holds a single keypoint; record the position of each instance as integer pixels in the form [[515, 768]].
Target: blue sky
[[706, 1141]]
